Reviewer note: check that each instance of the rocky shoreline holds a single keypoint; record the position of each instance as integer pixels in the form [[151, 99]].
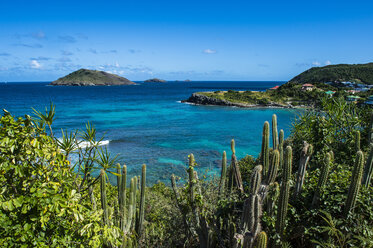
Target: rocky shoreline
[[201, 99]]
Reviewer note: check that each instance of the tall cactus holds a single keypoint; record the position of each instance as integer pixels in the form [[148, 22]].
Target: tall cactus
[[265, 148], [303, 162], [271, 199], [273, 168], [281, 147], [119, 176], [131, 206], [103, 196], [368, 170], [248, 218], [261, 240], [122, 198], [235, 174], [284, 193], [275, 140], [353, 191], [140, 221], [223, 174], [322, 179], [357, 141]]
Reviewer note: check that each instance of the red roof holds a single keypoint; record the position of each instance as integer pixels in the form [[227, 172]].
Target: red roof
[[275, 88], [307, 85]]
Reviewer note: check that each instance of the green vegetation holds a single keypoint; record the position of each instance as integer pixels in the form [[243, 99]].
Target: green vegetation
[[84, 77], [310, 190], [359, 73]]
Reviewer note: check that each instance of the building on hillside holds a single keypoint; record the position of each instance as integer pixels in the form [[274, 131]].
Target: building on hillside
[[353, 98], [329, 93], [275, 88], [308, 87], [351, 91]]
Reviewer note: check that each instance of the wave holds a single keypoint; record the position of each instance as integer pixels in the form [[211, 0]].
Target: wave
[[86, 144]]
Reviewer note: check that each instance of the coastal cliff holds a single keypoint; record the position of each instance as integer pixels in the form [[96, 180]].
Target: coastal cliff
[[201, 99]]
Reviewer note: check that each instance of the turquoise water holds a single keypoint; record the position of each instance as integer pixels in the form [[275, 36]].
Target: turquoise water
[[146, 123]]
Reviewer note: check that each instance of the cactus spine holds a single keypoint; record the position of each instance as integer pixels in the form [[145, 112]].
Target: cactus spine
[[103, 196], [223, 174], [275, 140], [368, 167], [355, 183], [265, 148], [261, 240], [142, 201], [284, 193], [272, 170], [322, 180]]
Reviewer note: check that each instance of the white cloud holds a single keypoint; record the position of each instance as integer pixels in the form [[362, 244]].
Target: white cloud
[[316, 63], [35, 64], [117, 64], [209, 51], [328, 62]]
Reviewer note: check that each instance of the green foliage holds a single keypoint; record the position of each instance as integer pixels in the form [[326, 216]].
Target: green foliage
[[342, 72], [39, 204]]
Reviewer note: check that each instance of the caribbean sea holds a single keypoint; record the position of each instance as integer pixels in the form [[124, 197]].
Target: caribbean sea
[[146, 123]]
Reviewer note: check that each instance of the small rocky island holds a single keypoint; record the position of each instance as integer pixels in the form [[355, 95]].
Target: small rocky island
[[155, 80], [85, 77]]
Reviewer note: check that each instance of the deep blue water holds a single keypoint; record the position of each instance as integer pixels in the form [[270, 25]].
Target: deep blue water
[[146, 123]]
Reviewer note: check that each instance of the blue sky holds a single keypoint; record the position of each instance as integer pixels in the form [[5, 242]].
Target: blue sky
[[197, 40]]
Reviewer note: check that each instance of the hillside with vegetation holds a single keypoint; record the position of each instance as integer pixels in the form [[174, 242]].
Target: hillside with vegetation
[[85, 77], [312, 189], [359, 73]]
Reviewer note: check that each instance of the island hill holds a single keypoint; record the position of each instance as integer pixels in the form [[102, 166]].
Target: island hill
[[155, 80], [85, 77], [353, 82]]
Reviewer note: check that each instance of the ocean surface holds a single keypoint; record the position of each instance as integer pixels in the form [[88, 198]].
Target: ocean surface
[[146, 123]]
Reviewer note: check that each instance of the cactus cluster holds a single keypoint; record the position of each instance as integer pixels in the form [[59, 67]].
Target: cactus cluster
[[128, 220], [263, 190]]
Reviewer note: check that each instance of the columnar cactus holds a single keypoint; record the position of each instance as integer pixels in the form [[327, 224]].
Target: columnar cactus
[[322, 179], [122, 198], [103, 196], [273, 168], [248, 218], [142, 201], [261, 241], [119, 176], [368, 167], [135, 180], [303, 162], [235, 174], [271, 199], [131, 206], [353, 191], [281, 147], [284, 193], [275, 140], [265, 148], [223, 174], [256, 179], [357, 141]]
